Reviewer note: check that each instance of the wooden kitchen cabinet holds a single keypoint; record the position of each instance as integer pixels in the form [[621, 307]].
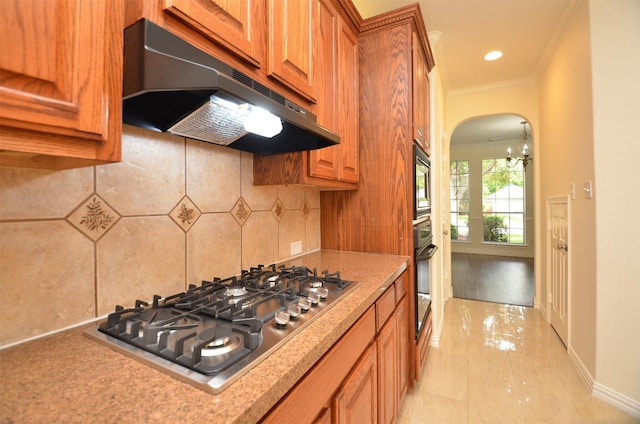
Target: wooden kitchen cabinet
[[237, 25], [356, 402], [421, 110], [360, 379], [338, 110], [336, 79], [61, 83], [378, 217], [276, 36], [404, 343], [348, 106], [393, 351], [387, 343], [291, 45], [312, 399]]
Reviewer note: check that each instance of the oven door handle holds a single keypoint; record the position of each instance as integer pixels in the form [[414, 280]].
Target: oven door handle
[[420, 220], [427, 251]]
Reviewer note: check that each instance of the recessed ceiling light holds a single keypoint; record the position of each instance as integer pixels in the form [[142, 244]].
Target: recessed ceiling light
[[496, 54]]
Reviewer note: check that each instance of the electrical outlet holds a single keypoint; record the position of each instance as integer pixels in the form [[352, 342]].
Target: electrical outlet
[[296, 248]]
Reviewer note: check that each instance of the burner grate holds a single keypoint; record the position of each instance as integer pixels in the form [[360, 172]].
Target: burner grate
[[222, 326]]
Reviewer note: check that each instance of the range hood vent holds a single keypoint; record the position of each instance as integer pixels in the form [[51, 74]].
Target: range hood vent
[[172, 86]]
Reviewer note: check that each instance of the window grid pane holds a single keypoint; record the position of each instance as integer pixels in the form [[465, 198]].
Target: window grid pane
[[503, 201], [459, 200]]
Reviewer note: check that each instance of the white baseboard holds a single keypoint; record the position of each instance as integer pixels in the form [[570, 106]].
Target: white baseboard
[[618, 400], [542, 307], [435, 335], [582, 370]]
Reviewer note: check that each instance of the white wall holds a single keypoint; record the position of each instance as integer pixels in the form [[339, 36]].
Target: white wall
[[615, 51], [566, 145], [439, 150], [589, 105]]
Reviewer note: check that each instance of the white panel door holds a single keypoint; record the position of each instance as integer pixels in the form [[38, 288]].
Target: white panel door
[[557, 261]]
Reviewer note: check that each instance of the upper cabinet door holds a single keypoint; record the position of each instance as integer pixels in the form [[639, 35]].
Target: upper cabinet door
[[323, 163], [238, 25], [337, 89], [421, 95], [291, 30], [348, 110], [61, 78]]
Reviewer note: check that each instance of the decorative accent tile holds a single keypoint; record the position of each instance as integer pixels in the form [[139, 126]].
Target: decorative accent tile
[[241, 211], [305, 209], [94, 218], [185, 214], [278, 210]]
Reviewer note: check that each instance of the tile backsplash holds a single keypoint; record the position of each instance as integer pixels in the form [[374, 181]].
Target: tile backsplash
[[174, 212]]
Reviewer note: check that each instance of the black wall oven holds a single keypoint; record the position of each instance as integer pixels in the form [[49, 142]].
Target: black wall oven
[[422, 236], [424, 251], [422, 183]]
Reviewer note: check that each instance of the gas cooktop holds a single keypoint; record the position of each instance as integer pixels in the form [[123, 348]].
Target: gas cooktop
[[210, 335]]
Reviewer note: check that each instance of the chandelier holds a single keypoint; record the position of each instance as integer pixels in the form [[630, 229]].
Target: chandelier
[[525, 158]]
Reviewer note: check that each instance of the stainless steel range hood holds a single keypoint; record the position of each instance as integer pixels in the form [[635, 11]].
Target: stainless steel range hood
[[172, 86]]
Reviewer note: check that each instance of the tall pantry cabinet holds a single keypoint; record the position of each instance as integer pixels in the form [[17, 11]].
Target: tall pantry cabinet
[[395, 58]]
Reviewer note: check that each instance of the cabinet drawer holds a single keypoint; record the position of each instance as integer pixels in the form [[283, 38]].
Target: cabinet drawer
[[385, 306], [401, 286]]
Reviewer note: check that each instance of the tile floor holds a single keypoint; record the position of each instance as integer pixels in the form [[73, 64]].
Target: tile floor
[[501, 364]]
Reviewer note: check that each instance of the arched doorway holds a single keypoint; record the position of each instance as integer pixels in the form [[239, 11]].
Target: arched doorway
[[491, 210]]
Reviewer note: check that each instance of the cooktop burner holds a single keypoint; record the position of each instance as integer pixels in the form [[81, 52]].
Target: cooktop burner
[[209, 335]]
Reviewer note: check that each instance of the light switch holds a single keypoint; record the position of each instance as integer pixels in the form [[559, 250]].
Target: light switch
[[572, 191], [588, 190]]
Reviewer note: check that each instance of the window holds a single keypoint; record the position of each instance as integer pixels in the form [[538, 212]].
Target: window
[[459, 199], [502, 201]]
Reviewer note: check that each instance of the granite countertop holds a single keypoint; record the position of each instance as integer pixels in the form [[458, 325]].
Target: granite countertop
[[68, 377]]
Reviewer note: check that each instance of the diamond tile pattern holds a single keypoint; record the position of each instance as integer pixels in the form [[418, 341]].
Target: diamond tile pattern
[[108, 234], [306, 210], [278, 210], [94, 217], [241, 211], [185, 214]]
